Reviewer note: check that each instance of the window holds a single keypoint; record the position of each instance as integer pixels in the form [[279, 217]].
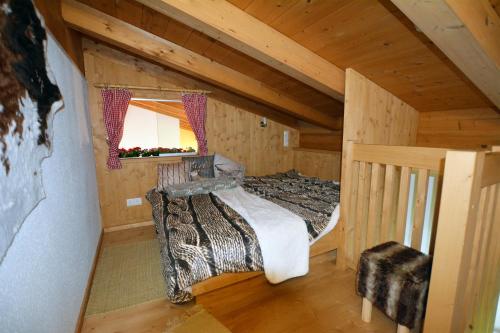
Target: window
[[429, 211], [153, 124]]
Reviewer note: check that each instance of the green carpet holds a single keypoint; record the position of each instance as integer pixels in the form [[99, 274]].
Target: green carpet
[[126, 275]]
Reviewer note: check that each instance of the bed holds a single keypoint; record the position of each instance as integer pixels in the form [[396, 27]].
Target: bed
[[265, 225]]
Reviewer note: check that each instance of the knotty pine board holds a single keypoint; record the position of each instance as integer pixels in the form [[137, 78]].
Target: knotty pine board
[[231, 130], [459, 129]]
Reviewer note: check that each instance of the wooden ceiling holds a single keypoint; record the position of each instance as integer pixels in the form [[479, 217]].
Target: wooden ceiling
[[373, 37], [178, 33]]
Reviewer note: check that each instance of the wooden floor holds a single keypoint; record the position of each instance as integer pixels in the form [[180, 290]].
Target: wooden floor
[[322, 301]]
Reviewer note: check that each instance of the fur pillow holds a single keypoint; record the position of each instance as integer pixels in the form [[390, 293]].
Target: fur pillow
[[226, 167], [202, 186], [172, 174], [200, 166]]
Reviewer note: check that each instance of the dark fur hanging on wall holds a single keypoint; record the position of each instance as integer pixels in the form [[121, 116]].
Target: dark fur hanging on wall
[[23, 70]]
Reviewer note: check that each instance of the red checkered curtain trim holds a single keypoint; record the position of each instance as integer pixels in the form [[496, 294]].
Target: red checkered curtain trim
[[195, 106], [115, 105]]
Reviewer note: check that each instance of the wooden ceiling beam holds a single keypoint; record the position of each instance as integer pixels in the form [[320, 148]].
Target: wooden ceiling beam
[[121, 34], [182, 80], [468, 32], [234, 27]]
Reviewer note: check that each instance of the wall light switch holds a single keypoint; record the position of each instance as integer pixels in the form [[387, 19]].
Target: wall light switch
[[134, 202], [286, 134]]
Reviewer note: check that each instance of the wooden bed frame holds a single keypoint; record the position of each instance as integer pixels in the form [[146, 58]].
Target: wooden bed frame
[[328, 242], [465, 281]]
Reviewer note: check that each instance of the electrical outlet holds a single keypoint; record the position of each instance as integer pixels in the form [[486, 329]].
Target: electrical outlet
[[134, 202]]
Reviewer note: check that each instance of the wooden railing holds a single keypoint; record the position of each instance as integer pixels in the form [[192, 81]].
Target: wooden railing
[[465, 281], [374, 201], [465, 230]]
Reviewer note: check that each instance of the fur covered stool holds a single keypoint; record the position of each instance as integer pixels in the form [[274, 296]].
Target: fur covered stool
[[394, 278]]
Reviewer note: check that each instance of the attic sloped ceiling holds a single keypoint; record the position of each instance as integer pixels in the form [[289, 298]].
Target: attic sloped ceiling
[[372, 37], [376, 39], [145, 18], [133, 39]]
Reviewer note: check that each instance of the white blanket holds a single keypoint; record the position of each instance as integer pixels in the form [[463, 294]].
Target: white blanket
[[282, 235], [331, 224]]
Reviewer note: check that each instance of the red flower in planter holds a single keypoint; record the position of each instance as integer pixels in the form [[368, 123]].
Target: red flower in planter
[[140, 152]]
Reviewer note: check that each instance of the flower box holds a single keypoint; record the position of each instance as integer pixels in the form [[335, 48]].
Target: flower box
[[138, 152]]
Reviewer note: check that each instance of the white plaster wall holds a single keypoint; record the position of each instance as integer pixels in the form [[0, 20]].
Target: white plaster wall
[[44, 273]]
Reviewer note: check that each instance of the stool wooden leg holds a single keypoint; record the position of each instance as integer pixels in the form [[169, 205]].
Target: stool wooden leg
[[402, 329], [366, 311]]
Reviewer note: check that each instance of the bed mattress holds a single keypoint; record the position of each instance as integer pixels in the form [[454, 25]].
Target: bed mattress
[[311, 198], [201, 237]]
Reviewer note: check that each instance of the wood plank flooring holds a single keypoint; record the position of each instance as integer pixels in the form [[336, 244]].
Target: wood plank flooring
[[322, 301]]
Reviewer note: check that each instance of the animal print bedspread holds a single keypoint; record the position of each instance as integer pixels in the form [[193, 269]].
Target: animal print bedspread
[[312, 199], [201, 237]]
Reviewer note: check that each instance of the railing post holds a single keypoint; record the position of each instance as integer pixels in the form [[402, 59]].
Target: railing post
[[454, 238], [345, 188]]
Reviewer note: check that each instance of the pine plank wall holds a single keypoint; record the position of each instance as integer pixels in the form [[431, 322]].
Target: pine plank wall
[[461, 129], [232, 130]]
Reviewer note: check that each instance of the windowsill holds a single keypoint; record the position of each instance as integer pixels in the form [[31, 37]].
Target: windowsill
[[165, 157], [194, 153]]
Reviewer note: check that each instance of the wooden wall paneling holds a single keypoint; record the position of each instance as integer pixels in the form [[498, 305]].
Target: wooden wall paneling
[[231, 130], [228, 133], [372, 115], [314, 137], [317, 163], [237, 134], [268, 152], [459, 129]]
